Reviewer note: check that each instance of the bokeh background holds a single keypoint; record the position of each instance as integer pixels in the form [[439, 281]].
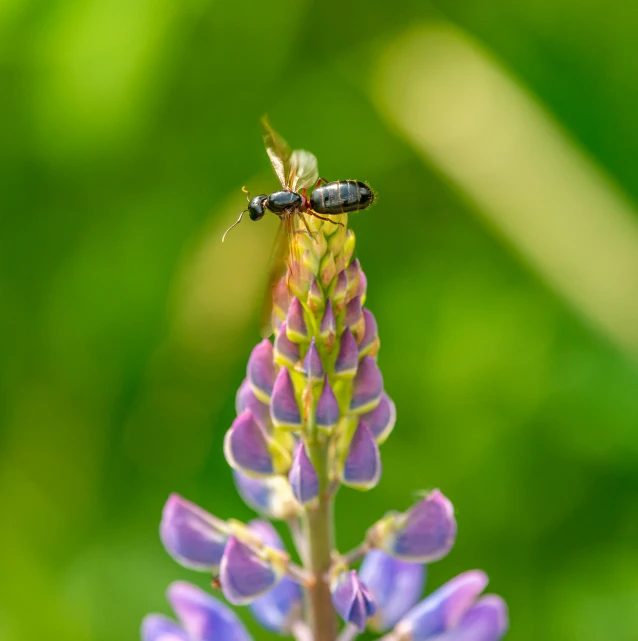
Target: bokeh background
[[502, 261]]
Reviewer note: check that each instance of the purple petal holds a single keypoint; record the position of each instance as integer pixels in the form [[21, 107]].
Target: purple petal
[[243, 575], [487, 620], [352, 600], [427, 531], [348, 358], [295, 323], [395, 586], [284, 410], [246, 400], [246, 446], [203, 617], [354, 316], [189, 535], [261, 370], [278, 609], [303, 477], [353, 272], [362, 468], [286, 352], [267, 533], [315, 296], [340, 289], [312, 365], [363, 285], [328, 327], [381, 419], [367, 386], [270, 496], [369, 343], [157, 627], [444, 608], [327, 412]]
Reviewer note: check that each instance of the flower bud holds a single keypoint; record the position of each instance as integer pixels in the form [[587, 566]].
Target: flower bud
[[249, 449], [312, 365], [303, 476], [367, 386], [351, 599], [246, 400], [369, 340], [272, 497], [362, 468], [284, 409], [261, 371], [285, 351], [381, 419], [353, 272], [340, 290], [296, 327], [327, 411], [348, 357], [190, 535], [354, 317], [395, 587], [424, 533], [328, 326], [315, 296], [157, 627], [328, 269], [455, 610], [245, 575]]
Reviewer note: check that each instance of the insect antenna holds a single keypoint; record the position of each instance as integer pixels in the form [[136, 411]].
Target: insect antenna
[[234, 224]]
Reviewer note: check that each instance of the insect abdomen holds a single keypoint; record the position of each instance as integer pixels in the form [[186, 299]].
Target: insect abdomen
[[340, 197]]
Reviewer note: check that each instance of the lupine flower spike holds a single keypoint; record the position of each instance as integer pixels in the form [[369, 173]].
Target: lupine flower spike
[[312, 413]]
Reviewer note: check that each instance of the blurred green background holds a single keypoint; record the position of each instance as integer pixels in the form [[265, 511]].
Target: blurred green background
[[501, 260]]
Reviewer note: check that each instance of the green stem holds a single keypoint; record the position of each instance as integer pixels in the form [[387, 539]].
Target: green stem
[[319, 538]]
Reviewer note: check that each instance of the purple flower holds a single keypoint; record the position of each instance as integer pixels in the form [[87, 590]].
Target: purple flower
[[312, 365], [362, 468], [327, 412], [201, 618], [190, 535], [271, 497], [395, 586], [425, 533], [246, 400], [284, 409], [453, 613], [286, 352], [348, 357], [281, 606], [260, 371], [351, 599], [381, 419], [296, 327], [247, 446], [367, 386]]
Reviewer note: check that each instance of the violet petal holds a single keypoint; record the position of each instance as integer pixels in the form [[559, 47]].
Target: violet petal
[[327, 411], [362, 468], [286, 352], [312, 365], [381, 419], [348, 357], [352, 600], [203, 617], [284, 410], [367, 386], [261, 370], [328, 326], [296, 327], [246, 400], [246, 446], [395, 586], [189, 535], [270, 496], [370, 336], [303, 477], [157, 627]]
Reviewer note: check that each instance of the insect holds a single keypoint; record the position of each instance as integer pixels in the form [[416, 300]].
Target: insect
[[297, 172]]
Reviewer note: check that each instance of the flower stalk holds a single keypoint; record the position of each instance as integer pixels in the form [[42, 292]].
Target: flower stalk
[[311, 415]]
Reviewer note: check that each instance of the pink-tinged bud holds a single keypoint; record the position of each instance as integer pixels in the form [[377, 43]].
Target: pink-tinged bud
[[381, 419], [369, 338], [395, 586], [312, 365], [281, 298], [354, 316], [261, 370], [296, 327], [328, 269], [315, 296], [351, 599], [244, 575], [425, 533], [362, 468], [202, 616], [284, 409], [249, 449], [303, 477], [367, 386], [246, 400], [327, 412], [353, 272], [348, 357], [328, 327], [363, 286], [286, 352], [190, 535], [340, 290], [454, 611], [272, 497]]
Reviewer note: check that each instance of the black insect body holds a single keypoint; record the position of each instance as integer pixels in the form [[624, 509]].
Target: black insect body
[[341, 197]]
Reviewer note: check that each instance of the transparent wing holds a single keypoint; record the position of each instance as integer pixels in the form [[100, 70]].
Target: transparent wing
[[303, 170], [283, 263], [278, 151]]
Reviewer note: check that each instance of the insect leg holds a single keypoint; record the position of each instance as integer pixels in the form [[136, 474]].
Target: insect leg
[[334, 222], [305, 222]]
